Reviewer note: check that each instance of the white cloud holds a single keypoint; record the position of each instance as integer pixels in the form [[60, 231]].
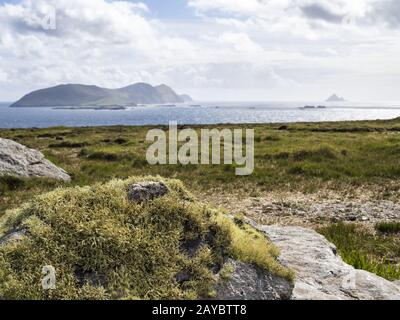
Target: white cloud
[[272, 8], [287, 49], [95, 41], [3, 76], [322, 44]]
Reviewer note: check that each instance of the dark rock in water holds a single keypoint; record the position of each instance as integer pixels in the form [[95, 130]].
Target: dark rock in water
[[335, 98], [146, 191], [248, 282], [18, 160]]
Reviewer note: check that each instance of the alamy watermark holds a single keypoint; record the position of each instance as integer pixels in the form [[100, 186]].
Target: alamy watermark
[[49, 279], [206, 149], [45, 18]]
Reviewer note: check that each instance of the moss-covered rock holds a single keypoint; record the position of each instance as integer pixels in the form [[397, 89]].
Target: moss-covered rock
[[104, 246]]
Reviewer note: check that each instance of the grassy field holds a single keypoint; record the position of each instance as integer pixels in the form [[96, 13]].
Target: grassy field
[[343, 157], [378, 253]]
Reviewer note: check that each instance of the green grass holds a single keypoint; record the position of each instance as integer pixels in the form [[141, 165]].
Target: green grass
[[103, 246], [360, 248], [341, 157], [388, 227]]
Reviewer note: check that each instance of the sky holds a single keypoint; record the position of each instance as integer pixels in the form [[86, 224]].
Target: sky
[[214, 50]]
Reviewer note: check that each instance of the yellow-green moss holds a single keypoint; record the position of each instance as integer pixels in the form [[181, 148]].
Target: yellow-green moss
[[133, 250], [226, 272], [250, 245]]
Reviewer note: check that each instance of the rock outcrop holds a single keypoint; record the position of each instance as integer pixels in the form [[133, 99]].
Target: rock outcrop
[[146, 191], [320, 273], [18, 160], [248, 282]]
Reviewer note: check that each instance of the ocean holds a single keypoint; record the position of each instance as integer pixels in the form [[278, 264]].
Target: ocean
[[197, 113]]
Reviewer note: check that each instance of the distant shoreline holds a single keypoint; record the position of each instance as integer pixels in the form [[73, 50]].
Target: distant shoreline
[[89, 108], [284, 126]]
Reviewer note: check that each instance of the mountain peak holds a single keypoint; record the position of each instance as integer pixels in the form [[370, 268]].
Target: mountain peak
[[90, 95], [162, 86]]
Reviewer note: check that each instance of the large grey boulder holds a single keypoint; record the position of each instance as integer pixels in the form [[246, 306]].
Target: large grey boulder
[[248, 282], [18, 160], [320, 272]]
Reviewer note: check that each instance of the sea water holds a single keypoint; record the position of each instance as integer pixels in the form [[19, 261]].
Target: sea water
[[197, 113]]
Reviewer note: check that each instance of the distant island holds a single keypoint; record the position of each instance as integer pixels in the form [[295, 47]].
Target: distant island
[[335, 98], [78, 95]]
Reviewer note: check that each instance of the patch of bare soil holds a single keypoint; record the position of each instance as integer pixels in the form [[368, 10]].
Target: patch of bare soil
[[309, 210]]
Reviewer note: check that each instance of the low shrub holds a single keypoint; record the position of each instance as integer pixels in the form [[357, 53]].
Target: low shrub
[[318, 154], [68, 144], [120, 141], [10, 183], [103, 156]]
